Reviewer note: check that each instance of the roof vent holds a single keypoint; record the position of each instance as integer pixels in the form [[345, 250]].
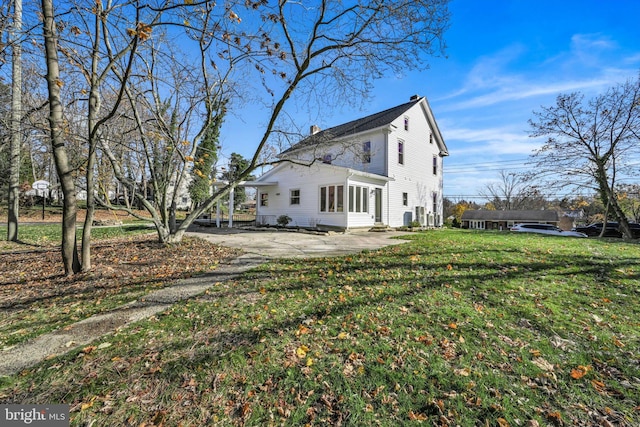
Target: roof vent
[[414, 98], [314, 129]]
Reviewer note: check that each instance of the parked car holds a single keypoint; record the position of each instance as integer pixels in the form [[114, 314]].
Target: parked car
[[594, 229], [545, 229]]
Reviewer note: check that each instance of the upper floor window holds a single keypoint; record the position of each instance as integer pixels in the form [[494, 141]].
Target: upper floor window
[[406, 122], [400, 152], [294, 197], [405, 199], [366, 152], [430, 138], [435, 165]]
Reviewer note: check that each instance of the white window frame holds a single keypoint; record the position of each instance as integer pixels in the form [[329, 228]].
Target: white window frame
[[329, 194], [366, 152], [358, 199], [294, 200]]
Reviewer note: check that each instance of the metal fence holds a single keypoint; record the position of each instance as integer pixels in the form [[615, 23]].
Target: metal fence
[[237, 219]]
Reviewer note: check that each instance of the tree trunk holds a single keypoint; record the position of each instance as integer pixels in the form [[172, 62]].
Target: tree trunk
[[92, 136], [56, 123], [91, 207], [16, 117]]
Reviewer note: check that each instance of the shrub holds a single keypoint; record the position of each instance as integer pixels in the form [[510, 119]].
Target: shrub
[[283, 220]]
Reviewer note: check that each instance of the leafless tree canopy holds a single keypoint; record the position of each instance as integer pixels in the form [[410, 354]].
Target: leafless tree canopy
[[133, 85], [513, 191], [590, 142]]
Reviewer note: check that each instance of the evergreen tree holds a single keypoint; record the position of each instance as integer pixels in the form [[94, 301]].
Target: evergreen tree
[[237, 165], [204, 163]]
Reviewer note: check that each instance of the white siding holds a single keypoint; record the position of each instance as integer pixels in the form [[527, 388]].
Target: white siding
[[415, 177], [349, 152], [308, 180]]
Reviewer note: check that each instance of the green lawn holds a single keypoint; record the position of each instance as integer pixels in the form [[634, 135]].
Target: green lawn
[[454, 328], [48, 235]]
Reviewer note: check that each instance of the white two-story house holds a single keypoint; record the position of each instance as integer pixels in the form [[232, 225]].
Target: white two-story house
[[383, 169]]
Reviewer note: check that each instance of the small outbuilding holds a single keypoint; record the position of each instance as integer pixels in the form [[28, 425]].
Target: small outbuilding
[[504, 220]]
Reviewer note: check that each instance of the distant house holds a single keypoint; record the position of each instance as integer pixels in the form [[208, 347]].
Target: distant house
[[382, 169], [504, 220]]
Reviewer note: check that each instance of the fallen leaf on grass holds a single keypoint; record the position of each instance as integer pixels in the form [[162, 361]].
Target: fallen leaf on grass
[[302, 330], [618, 343], [462, 372], [542, 364], [302, 351], [88, 349], [555, 417], [599, 386], [416, 416], [579, 372], [87, 405]]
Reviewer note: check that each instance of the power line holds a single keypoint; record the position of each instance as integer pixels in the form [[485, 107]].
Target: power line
[[497, 165], [494, 169], [491, 162]]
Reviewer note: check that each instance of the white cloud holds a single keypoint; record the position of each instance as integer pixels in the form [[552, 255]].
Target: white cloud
[[591, 42], [585, 67], [491, 141]]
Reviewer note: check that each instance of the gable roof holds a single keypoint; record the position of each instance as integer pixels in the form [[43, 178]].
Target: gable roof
[[522, 216], [373, 121]]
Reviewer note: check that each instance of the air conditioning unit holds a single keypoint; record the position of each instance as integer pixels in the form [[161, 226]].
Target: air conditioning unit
[[420, 215]]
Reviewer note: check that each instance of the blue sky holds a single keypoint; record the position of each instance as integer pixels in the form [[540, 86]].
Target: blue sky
[[504, 59]]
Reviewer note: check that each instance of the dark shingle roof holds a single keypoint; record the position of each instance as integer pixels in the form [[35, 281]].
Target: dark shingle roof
[[356, 126], [521, 216]]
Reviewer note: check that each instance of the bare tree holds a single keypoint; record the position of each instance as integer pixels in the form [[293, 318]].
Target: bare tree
[[512, 192], [99, 46], [325, 50], [590, 142], [70, 257]]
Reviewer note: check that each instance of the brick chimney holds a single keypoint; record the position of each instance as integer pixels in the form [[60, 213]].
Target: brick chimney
[[314, 129]]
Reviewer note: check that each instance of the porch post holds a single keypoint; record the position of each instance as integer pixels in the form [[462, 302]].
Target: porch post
[[218, 214], [231, 197]]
